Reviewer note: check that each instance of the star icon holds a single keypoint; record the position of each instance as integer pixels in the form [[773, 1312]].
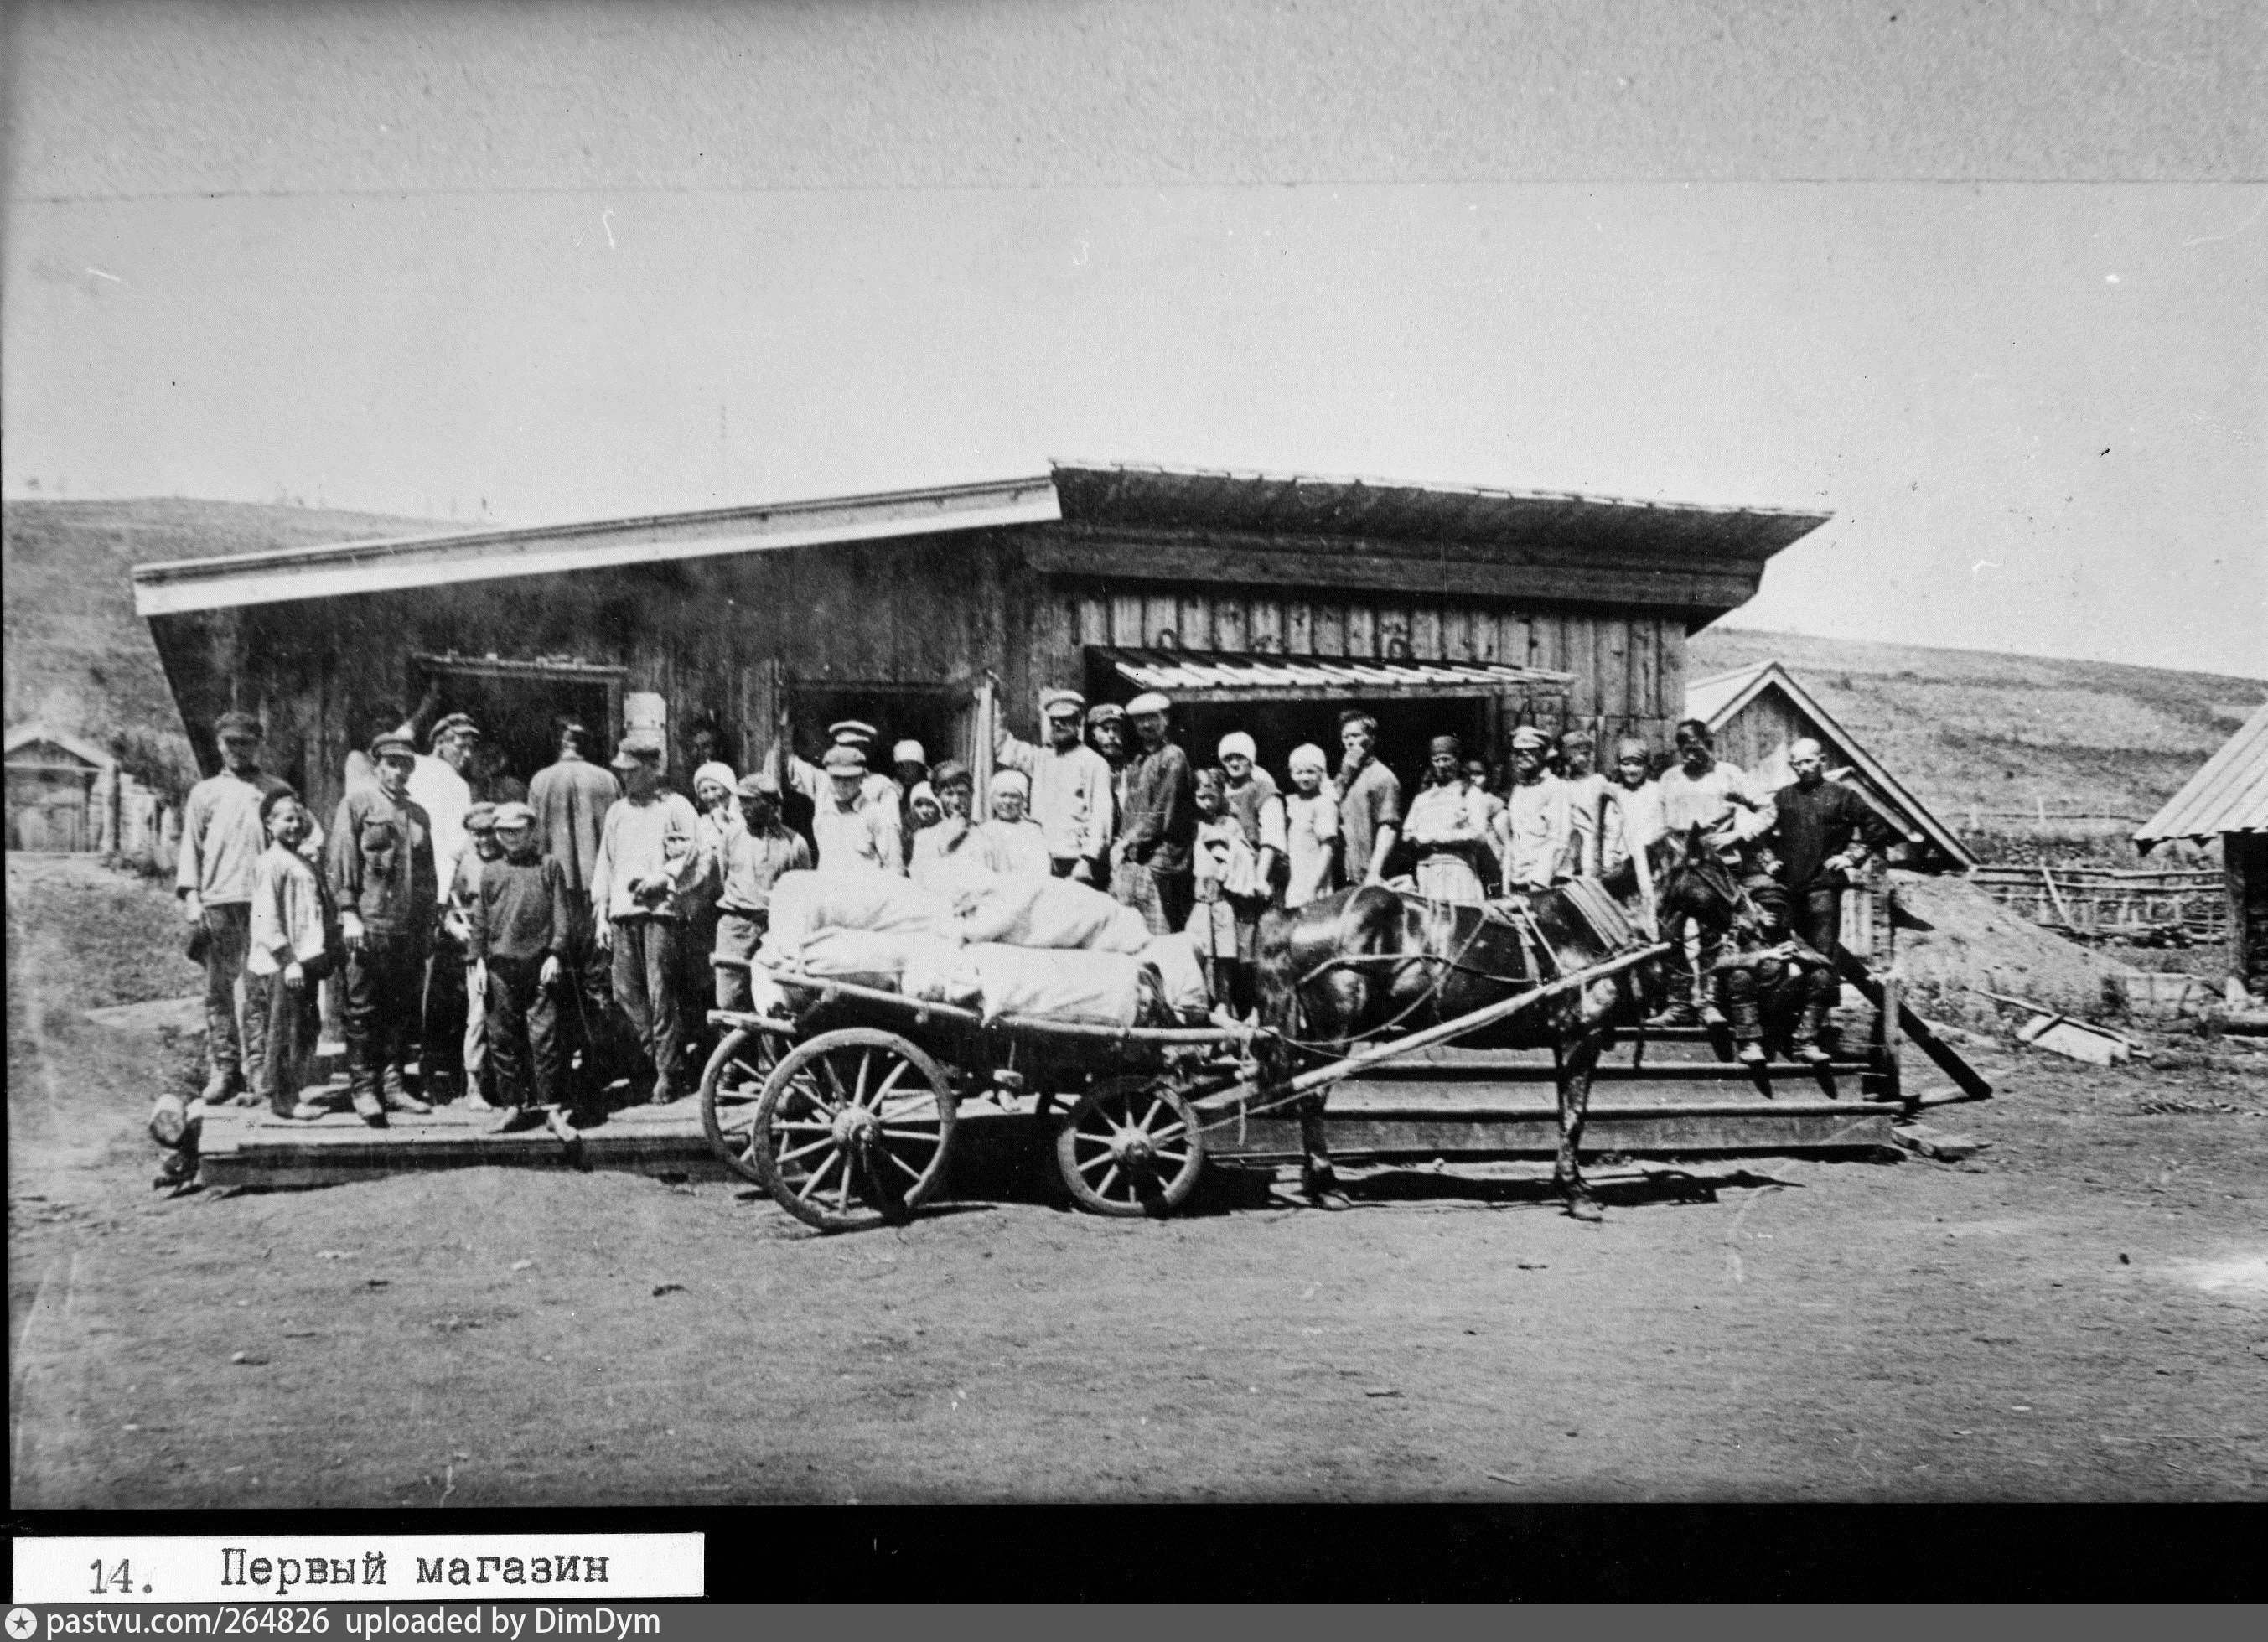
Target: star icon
[[22, 1623]]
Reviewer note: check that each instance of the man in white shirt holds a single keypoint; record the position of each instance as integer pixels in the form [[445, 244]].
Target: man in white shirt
[[851, 819], [1579, 752], [1539, 817], [1447, 826], [649, 851], [1699, 791], [1070, 787], [438, 784]]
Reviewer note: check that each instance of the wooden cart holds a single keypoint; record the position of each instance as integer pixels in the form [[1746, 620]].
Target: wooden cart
[[844, 1109]]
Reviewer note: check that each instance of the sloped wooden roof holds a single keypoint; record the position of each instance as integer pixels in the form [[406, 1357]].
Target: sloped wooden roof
[[2230, 794], [1717, 700], [32, 734]]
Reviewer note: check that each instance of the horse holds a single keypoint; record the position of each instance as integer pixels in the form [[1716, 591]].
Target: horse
[[1368, 962]]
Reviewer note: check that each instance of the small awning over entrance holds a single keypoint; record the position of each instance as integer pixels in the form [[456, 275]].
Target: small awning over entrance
[[1217, 676]]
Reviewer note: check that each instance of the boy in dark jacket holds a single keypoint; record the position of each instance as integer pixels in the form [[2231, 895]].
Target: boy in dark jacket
[[519, 934]]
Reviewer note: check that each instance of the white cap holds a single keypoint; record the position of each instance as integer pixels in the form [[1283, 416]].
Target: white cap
[[1237, 741], [909, 753]]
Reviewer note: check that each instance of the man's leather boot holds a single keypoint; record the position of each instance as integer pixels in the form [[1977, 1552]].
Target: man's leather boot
[[1805, 1038], [394, 1095], [1748, 1031]]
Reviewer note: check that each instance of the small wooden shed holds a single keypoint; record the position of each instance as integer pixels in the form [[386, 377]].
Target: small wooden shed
[[1756, 712], [2227, 799], [1260, 602], [60, 791]]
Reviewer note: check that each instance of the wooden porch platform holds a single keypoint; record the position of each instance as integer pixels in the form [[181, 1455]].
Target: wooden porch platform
[[1457, 1105]]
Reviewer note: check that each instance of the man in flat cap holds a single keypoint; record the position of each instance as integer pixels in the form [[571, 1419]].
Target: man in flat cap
[[383, 875], [851, 819], [1071, 798], [518, 931], [1152, 865], [755, 857], [859, 735], [222, 839], [1539, 818], [1370, 800], [649, 851]]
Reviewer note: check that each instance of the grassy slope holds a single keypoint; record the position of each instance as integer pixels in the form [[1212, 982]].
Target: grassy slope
[[1966, 727], [78, 659]]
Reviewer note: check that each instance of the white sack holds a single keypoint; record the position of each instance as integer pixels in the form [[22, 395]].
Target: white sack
[[1181, 978], [1102, 988], [1052, 913], [943, 974], [862, 897], [864, 958]]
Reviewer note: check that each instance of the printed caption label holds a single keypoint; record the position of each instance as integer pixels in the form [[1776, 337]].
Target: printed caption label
[[358, 1568]]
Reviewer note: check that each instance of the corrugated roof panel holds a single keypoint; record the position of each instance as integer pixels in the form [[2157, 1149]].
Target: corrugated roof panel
[[2230, 794], [1200, 670]]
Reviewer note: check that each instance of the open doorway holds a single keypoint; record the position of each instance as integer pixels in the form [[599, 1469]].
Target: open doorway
[[516, 704], [949, 720]]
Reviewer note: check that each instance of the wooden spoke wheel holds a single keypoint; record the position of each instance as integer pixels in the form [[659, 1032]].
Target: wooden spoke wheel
[[853, 1128], [1130, 1147], [730, 1089]]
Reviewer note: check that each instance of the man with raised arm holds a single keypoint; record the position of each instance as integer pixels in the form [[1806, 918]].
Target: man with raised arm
[[1070, 787]]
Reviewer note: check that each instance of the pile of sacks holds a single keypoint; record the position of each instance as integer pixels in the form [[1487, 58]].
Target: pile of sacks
[[1045, 948]]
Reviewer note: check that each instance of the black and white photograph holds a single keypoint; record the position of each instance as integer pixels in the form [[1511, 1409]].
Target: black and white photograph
[[1135, 753]]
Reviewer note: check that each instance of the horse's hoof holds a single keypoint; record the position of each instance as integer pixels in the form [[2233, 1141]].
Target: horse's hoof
[[1583, 1206]]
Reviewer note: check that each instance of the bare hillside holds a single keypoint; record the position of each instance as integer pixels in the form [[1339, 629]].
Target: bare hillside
[[2000, 736], [77, 658]]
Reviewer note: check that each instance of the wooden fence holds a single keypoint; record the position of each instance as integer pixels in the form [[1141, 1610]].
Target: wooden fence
[[2102, 902]]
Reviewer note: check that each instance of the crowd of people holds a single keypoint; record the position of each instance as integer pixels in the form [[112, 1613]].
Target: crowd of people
[[543, 950]]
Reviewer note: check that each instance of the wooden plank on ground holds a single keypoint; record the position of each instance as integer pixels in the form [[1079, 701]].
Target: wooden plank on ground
[[1965, 1076], [1659, 1130]]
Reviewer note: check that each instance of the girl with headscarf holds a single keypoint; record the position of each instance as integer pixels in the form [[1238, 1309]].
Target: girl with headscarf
[[716, 800], [1448, 827], [1226, 918], [1311, 828], [950, 856]]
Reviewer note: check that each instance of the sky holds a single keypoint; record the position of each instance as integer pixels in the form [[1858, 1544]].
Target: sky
[[2035, 405]]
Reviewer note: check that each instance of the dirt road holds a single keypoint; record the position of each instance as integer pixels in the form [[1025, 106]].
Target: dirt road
[[2081, 1313]]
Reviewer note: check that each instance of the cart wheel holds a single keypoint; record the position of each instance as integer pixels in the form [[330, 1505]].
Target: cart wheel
[[730, 1088], [853, 1128], [1130, 1147]]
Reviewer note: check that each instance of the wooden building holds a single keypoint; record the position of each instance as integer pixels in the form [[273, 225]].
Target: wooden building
[[1755, 713], [1261, 603], [2227, 799], [62, 792]]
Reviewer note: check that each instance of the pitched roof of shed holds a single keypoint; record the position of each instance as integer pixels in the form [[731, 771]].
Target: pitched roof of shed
[[78, 747], [1716, 699], [2230, 794], [1613, 529], [1381, 509]]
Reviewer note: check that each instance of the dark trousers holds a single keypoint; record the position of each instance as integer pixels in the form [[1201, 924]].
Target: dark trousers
[[738, 934], [441, 1035], [524, 1033], [228, 938], [1818, 914], [385, 983], [293, 1022], [586, 1003], [645, 989], [1177, 893]]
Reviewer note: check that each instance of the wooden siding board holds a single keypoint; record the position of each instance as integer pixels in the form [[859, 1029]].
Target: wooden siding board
[[1362, 637], [1265, 628]]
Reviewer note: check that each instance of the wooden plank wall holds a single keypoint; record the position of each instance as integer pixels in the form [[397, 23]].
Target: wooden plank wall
[[702, 633], [1629, 668]]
